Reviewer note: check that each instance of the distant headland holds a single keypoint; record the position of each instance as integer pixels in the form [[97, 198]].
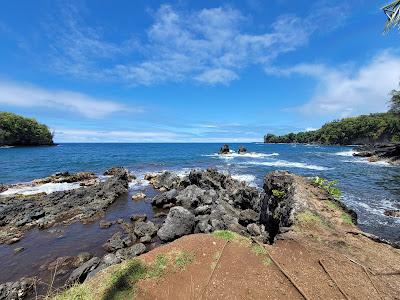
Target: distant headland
[[16, 130], [361, 130]]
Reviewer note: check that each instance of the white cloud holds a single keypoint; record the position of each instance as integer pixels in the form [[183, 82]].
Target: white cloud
[[347, 91], [107, 136], [209, 45], [26, 95], [310, 129]]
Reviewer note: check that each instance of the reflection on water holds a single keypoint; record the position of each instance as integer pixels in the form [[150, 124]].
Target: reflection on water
[[44, 246]]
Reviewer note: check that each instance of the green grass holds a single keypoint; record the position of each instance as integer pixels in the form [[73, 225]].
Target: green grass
[[157, 268], [225, 235], [346, 218], [278, 193], [120, 282], [309, 217], [267, 261], [75, 292], [332, 205], [258, 250], [182, 259]]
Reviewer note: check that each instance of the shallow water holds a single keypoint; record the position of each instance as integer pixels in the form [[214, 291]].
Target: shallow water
[[44, 246], [368, 188]]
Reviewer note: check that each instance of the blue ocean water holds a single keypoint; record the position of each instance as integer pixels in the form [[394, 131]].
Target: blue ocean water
[[368, 188]]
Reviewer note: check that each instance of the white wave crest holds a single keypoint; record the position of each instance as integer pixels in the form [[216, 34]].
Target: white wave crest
[[380, 163], [43, 188], [138, 184], [287, 164], [346, 153], [233, 155], [248, 178]]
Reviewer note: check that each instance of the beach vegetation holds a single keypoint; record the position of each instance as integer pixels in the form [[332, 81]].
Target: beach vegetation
[[329, 186], [278, 194]]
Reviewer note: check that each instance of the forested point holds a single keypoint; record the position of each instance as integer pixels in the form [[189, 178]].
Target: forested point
[[365, 129], [16, 130]]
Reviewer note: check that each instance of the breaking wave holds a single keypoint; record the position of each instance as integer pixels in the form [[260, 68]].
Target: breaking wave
[[287, 164], [233, 155]]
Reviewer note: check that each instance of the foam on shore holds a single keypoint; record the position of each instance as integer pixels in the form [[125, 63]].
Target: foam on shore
[[248, 178], [43, 188]]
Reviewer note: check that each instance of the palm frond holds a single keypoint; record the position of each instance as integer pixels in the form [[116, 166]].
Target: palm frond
[[392, 12]]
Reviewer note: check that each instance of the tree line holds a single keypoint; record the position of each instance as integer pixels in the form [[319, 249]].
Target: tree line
[[16, 130], [366, 129]]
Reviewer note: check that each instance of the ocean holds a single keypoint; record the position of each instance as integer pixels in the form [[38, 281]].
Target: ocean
[[368, 188]]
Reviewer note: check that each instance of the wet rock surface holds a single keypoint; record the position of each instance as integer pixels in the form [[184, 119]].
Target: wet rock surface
[[389, 152], [16, 290], [224, 149], [392, 213], [20, 214], [67, 177], [242, 150]]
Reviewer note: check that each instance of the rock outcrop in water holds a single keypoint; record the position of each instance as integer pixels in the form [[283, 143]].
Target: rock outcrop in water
[[224, 149], [389, 152], [18, 214], [242, 150]]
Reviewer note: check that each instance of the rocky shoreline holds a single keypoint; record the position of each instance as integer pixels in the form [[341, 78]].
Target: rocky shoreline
[[203, 201], [389, 152]]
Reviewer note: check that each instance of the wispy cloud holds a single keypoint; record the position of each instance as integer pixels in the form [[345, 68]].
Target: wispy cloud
[[27, 95], [120, 136], [347, 91], [210, 46]]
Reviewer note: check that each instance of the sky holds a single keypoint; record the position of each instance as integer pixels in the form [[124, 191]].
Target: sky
[[193, 71]]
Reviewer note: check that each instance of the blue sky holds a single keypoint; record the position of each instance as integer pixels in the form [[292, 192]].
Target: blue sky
[[193, 71]]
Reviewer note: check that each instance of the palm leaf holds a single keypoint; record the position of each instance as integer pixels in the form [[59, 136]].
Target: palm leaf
[[392, 11]]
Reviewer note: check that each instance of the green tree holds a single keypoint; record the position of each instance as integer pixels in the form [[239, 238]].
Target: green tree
[[395, 101], [16, 130]]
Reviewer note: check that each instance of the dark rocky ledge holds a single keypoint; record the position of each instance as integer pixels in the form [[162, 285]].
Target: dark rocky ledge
[[20, 213], [389, 152]]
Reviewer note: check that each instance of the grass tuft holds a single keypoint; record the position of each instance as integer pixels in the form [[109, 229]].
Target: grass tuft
[[267, 261], [225, 235], [332, 205], [346, 218], [157, 268], [278, 194], [309, 217], [258, 250], [182, 259], [120, 282]]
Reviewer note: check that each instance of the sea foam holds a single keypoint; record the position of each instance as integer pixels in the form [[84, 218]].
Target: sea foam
[[233, 155], [286, 164], [346, 153], [248, 178], [43, 188]]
